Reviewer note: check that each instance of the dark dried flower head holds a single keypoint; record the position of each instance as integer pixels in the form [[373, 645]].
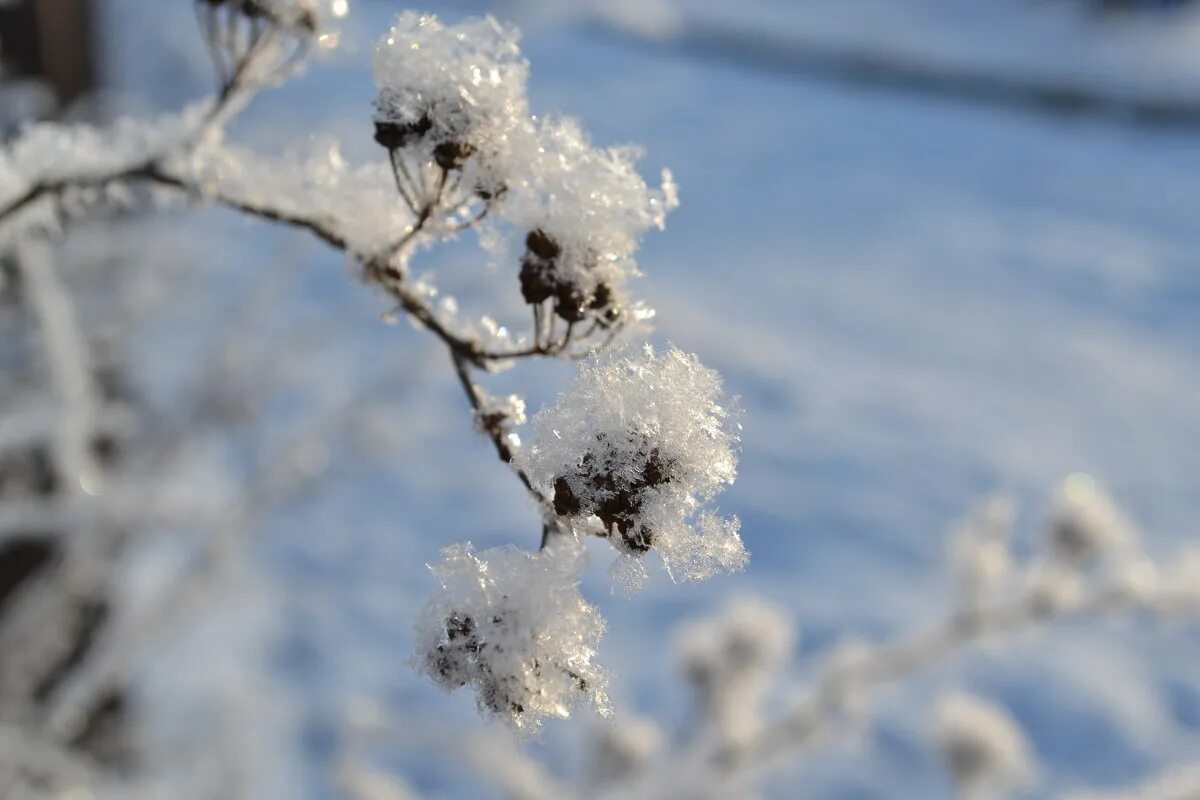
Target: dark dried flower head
[[513, 626], [637, 443]]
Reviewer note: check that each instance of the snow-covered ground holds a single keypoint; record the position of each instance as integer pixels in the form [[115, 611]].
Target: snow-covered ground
[[919, 303], [1148, 51]]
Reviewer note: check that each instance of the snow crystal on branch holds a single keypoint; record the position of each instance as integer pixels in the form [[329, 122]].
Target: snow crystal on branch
[[456, 93], [513, 626], [357, 201], [639, 442], [982, 746], [49, 152], [585, 210], [452, 111]]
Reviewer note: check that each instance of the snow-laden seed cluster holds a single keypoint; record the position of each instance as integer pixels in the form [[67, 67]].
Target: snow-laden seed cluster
[[982, 745], [730, 661], [1086, 522], [585, 210], [513, 626], [452, 111], [638, 442], [454, 93]]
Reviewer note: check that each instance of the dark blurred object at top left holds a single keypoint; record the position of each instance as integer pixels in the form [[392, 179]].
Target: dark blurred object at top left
[[47, 56]]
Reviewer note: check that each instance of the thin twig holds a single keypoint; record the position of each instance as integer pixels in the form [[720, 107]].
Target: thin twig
[[891, 662]]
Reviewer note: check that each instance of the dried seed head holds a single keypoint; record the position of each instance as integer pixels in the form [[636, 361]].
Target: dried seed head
[[638, 443]]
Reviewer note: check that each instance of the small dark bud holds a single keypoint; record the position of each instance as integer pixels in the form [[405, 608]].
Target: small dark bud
[[537, 284], [396, 135], [460, 627], [601, 298], [566, 504], [613, 497], [571, 303], [487, 193], [639, 539], [494, 421], [452, 155], [540, 244]]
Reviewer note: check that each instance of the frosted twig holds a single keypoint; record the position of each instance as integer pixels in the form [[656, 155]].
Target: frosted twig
[[893, 661], [69, 366], [385, 270], [1175, 783]]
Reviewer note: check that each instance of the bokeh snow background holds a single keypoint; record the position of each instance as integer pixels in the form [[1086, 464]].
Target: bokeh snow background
[[919, 303]]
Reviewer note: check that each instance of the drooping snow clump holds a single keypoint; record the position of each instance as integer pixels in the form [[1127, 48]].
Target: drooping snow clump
[[453, 114], [982, 745], [730, 661], [513, 626], [1086, 523], [637, 444], [585, 210], [454, 93]]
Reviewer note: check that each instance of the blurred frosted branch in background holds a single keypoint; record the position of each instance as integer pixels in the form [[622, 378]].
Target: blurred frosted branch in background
[[736, 663], [70, 368], [94, 588], [982, 745], [1178, 783]]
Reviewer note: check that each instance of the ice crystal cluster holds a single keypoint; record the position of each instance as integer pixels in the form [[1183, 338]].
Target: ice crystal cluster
[[317, 182], [982, 745], [638, 443], [455, 97], [512, 625], [50, 152], [457, 93], [586, 210]]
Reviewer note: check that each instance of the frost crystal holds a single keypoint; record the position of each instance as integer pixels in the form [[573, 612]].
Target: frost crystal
[[356, 200], [453, 99], [452, 92], [513, 626], [585, 209], [639, 443], [982, 745], [1086, 522]]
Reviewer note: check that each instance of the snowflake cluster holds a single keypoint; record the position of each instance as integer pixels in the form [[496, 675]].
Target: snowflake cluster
[[586, 210], [982, 745], [318, 183], [455, 97], [513, 626], [454, 93], [637, 443]]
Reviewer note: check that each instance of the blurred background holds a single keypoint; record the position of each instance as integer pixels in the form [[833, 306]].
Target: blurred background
[[940, 248]]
